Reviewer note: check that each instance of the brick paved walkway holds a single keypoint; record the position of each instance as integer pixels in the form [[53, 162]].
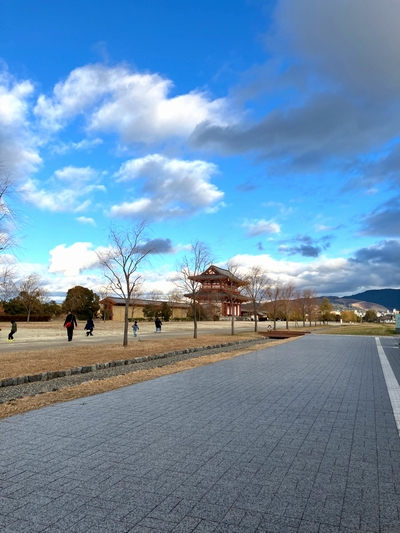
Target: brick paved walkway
[[296, 438]]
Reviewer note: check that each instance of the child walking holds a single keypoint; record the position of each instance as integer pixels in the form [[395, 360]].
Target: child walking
[[135, 328], [89, 326]]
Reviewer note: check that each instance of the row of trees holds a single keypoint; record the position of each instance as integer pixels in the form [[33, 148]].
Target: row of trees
[[28, 297], [25, 297]]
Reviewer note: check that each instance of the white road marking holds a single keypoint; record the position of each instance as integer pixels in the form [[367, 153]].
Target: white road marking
[[392, 384]]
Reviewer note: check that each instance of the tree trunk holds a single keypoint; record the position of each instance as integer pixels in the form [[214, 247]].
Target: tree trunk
[[126, 322], [194, 320], [255, 319]]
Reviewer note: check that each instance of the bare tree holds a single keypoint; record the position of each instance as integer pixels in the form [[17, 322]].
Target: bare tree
[[309, 305], [31, 293], [128, 249], [155, 295], [8, 286], [193, 265], [288, 295], [175, 296], [275, 293], [136, 295], [298, 308], [258, 284], [7, 214], [104, 292]]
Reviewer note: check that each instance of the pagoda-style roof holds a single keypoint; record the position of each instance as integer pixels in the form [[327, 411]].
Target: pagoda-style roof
[[218, 284], [214, 273]]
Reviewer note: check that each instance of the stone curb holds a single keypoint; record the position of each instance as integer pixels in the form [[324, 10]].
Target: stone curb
[[47, 376]]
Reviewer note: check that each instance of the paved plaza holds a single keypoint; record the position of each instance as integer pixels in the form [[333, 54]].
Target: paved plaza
[[301, 437]]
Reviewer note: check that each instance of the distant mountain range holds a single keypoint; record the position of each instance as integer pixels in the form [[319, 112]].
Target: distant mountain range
[[380, 300]]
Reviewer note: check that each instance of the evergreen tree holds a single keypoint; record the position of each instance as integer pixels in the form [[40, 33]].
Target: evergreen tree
[[82, 302]]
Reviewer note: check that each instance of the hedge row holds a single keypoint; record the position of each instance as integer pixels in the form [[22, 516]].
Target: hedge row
[[24, 318]]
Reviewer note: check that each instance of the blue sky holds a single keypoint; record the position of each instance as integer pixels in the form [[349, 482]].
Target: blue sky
[[268, 130]]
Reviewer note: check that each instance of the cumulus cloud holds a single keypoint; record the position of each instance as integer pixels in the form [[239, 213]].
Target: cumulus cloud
[[18, 144], [75, 259], [66, 191], [339, 276], [261, 227], [72, 260], [167, 188], [135, 105], [75, 175]]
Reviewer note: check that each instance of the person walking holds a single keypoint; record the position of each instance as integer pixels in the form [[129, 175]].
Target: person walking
[[89, 327], [158, 325], [13, 331], [69, 323], [135, 328]]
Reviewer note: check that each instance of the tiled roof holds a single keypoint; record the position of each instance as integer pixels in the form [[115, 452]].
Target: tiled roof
[[116, 300]]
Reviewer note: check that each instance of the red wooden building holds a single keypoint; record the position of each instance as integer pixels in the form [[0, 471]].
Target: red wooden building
[[218, 285]]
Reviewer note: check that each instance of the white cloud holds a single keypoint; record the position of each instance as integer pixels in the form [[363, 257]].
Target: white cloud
[[169, 187], [216, 208], [86, 220], [374, 267], [320, 275], [13, 104], [76, 174], [260, 227], [84, 145], [18, 145], [135, 105], [323, 227], [72, 260], [65, 191]]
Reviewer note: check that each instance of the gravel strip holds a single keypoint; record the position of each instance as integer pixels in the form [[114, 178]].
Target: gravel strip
[[40, 387]]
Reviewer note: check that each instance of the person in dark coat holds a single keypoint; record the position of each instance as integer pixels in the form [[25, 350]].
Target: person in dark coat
[[69, 323], [89, 326], [13, 330], [158, 325]]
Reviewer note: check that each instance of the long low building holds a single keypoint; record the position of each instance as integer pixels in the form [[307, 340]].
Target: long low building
[[114, 308]]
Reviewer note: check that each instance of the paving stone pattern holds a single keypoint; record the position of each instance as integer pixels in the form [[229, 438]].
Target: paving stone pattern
[[296, 438]]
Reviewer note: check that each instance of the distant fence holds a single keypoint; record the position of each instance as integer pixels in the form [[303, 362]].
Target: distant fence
[[24, 318]]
